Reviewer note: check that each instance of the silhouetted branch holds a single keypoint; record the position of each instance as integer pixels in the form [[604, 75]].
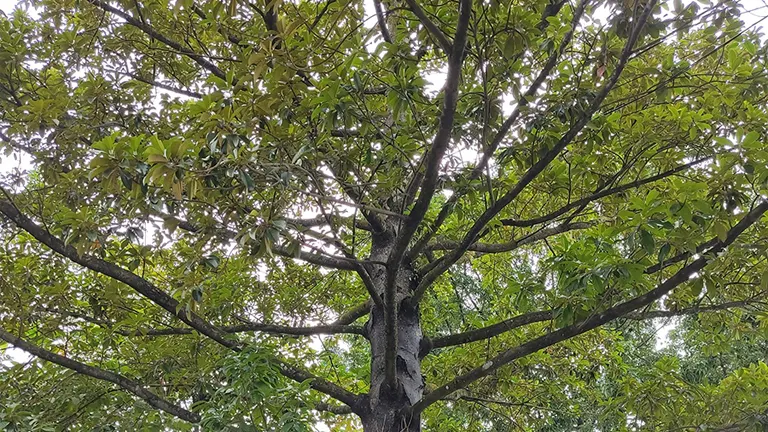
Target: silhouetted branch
[[196, 57], [533, 172], [488, 152], [513, 244], [602, 194], [82, 368]]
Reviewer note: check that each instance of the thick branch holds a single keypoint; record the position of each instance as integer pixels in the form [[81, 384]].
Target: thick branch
[[442, 139], [601, 194], [513, 244], [125, 383], [141, 285], [333, 409], [428, 185], [491, 330], [539, 166], [596, 320], [381, 21], [354, 314], [253, 327], [534, 317], [435, 31], [321, 385], [526, 98]]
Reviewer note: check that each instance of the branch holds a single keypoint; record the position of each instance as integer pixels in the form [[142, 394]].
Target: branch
[[601, 194], [28, 150], [513, 244], [638, 316], [125, 383], [489, 331], [338, 263], [139, 284], [197, 58], [234, 40], [595, 320], [333, 409], [529, 95], [552, 9], [240, 328], [416, 215], [271, 22], [534, 317], [329, 261], [253, 327], [354, 314], [354, 133], [442, 137], [369, 212], [322, 220], [681, 257], [342, 263], [160, 298], [481, 400], [158, 84], [438, 34], [382, 21], [340, 394], [539, 166]]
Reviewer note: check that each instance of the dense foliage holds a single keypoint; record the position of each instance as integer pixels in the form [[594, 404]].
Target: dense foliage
[[341, 214]]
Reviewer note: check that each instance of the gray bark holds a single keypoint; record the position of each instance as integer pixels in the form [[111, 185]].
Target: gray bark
[[386, 409]]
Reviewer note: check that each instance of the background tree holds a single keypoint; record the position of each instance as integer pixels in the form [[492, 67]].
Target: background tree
[[388, 216]]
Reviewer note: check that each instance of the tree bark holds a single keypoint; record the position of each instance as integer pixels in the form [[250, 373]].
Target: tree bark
[[387, 409]]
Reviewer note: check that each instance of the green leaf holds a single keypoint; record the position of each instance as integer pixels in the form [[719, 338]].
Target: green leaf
[[212, 261], [764, 280], [197, 294], [247, 181], [721, 229], [750, 139], [156, 158], [723, 141], [664, 252], [647, 241]]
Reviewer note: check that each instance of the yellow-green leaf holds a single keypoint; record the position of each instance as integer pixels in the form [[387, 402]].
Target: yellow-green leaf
[[156, 158], [721, 230]]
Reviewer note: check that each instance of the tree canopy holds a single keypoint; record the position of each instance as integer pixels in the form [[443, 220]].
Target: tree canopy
[[267, 215]]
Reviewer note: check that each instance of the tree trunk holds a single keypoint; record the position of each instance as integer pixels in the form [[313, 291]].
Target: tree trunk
[[387, 409]]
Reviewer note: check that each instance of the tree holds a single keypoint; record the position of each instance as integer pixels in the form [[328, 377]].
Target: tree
[[452, 216]]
